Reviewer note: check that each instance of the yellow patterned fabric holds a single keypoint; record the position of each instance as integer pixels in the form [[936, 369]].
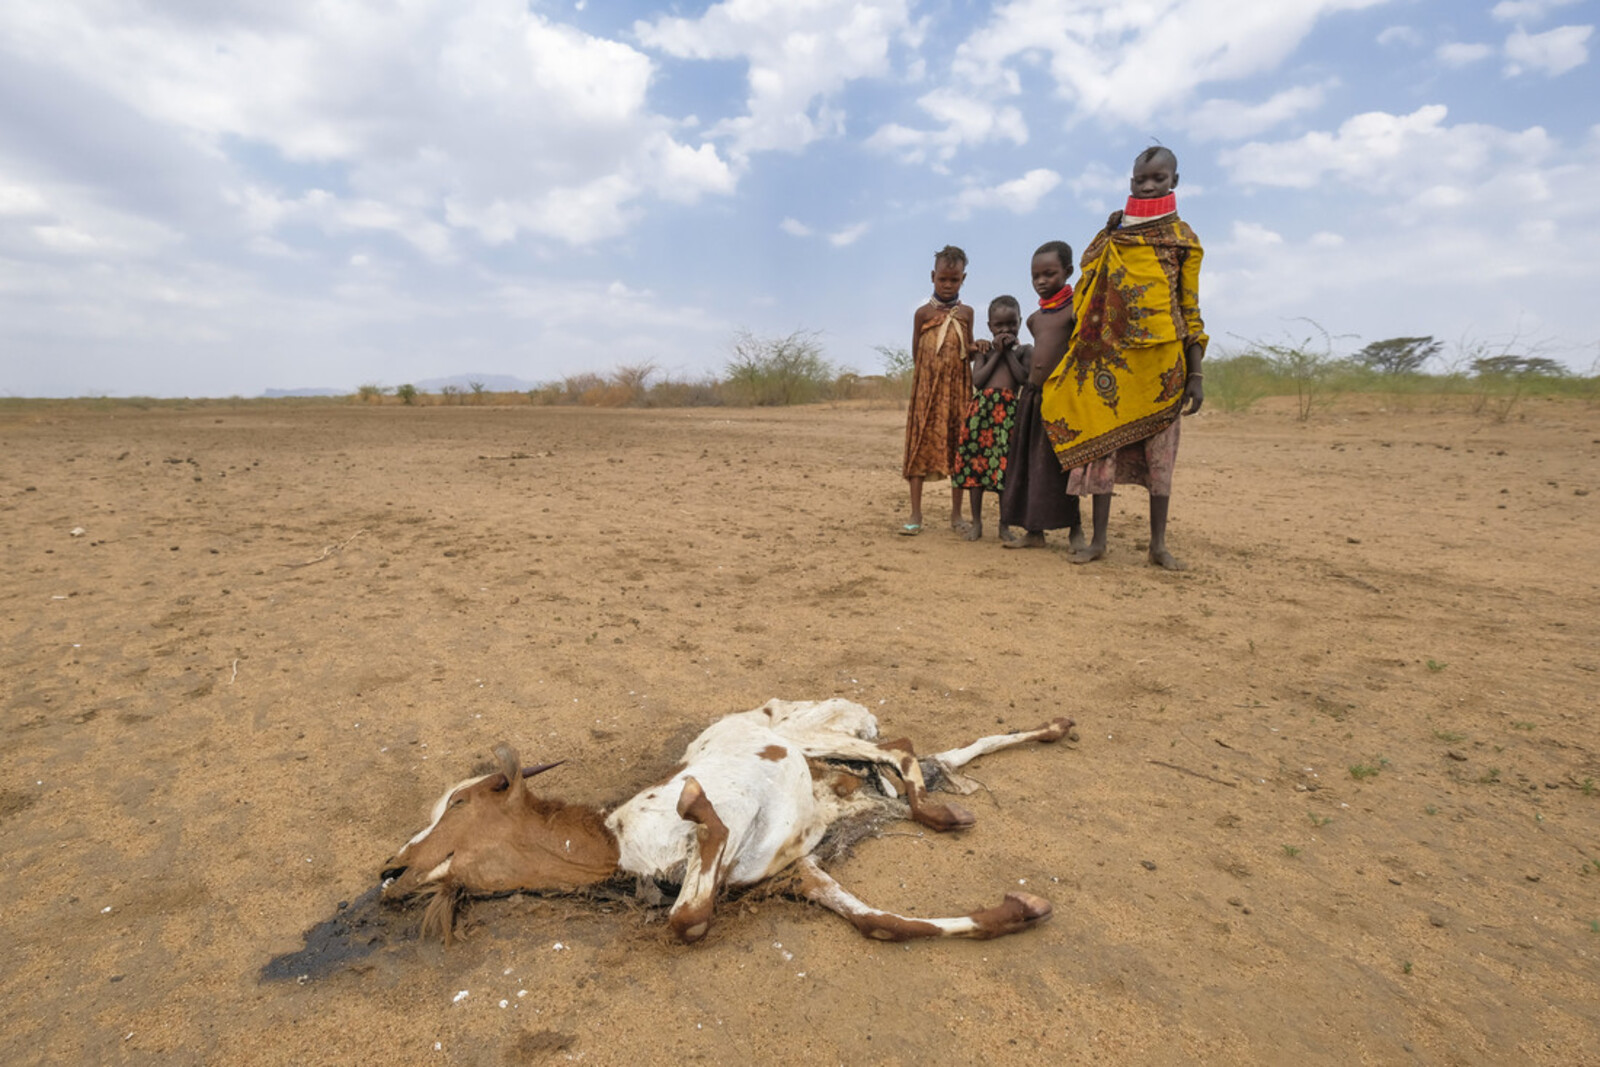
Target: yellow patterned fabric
[[1138, 311]]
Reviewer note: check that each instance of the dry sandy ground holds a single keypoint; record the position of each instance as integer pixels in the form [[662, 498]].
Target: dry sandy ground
[[1335, 799]]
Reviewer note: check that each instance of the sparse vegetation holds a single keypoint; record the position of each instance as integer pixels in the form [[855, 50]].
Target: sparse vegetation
[[1319, 820], [1291, 851], [1435, 666], [1362, 771], [407, 393], [1449, 737], [1490, 776], [370, 393], [774, 371]]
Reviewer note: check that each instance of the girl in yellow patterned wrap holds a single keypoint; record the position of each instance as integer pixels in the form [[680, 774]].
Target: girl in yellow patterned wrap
[[1111, 407]]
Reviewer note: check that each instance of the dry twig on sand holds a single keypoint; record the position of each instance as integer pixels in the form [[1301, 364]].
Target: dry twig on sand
[[1194, 774], [328, 551]]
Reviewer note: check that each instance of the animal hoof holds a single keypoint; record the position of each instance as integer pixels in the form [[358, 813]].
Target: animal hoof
[[1056, 729], [1034, 909], [944, 817]]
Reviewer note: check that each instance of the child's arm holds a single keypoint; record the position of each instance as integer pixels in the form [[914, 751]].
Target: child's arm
[[989, 359], [1016, 357], [1196, 341]]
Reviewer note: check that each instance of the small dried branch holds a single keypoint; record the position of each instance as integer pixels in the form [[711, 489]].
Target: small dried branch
[[328, 551]]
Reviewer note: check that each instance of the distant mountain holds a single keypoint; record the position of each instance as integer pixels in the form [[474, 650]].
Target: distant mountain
[[307, 392]]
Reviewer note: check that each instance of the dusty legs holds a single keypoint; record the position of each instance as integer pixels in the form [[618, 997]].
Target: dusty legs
[[1159, 555], [915, 485]]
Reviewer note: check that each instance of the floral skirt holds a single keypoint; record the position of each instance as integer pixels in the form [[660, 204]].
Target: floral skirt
[[985, 439]]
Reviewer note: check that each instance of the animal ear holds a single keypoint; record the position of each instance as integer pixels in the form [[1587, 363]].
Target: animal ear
[[510, 768]]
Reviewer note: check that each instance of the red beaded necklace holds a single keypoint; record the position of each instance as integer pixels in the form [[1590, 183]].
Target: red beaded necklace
[[1057, 302], [1146, 209]]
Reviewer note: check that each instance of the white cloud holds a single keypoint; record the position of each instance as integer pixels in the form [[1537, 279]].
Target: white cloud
[[1461, 54], [795, 228], [1127, 62], [849, 235], [1404, 35], [968, 121], [1233, 119], [1019, 196], [1254, 235], [799, 56], [1391, 155], [1553, 52], [486, 117], [1526, 10]]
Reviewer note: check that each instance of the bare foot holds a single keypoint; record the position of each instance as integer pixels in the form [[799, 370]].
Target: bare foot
[[1160, 557], [1007, 534], [1087, 554], [1032, 539], [959, 525], [1075, 540], [973, 532]]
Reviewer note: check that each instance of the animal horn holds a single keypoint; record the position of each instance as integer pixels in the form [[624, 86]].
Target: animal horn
[[510, 766], [529, 772]]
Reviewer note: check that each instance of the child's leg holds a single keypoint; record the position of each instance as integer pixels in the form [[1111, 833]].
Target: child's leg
[[975, 501], [915, 482], [1159, 556], [1096, 548], [955, 509]]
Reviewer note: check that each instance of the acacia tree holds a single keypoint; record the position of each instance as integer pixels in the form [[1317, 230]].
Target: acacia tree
[[1399, 355], [778, 370]]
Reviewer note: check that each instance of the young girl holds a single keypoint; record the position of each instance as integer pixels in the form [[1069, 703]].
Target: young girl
[[941, 385], [998, 368]]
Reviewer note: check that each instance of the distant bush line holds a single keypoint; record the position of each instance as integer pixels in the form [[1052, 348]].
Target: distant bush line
[[1473, 376]]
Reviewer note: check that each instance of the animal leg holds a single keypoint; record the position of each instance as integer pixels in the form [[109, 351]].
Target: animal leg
[[1017, 912], [899, 757], [1054, 730], [935, 816], [690, 916]]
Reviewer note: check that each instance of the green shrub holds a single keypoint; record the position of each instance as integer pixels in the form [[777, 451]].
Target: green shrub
[[772, 371]]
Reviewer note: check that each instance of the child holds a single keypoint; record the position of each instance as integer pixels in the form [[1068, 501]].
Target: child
[[941, 384], [1112, 408], [997, 370], [1035, 495]]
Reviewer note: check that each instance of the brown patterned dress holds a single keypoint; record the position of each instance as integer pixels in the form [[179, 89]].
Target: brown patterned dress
[[941, 388]]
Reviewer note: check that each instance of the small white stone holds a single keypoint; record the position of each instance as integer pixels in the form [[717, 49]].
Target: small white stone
[[459, 997], [106, 910], [504, 1003]]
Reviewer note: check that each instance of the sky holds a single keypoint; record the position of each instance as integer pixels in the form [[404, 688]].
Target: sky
[[204, 199]]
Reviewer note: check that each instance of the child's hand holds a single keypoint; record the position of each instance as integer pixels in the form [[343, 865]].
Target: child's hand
[[1194, 394]]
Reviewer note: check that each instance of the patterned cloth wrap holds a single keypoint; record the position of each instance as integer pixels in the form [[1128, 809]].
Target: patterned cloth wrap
[[1137, 312], [941, 385], [985, 438]]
